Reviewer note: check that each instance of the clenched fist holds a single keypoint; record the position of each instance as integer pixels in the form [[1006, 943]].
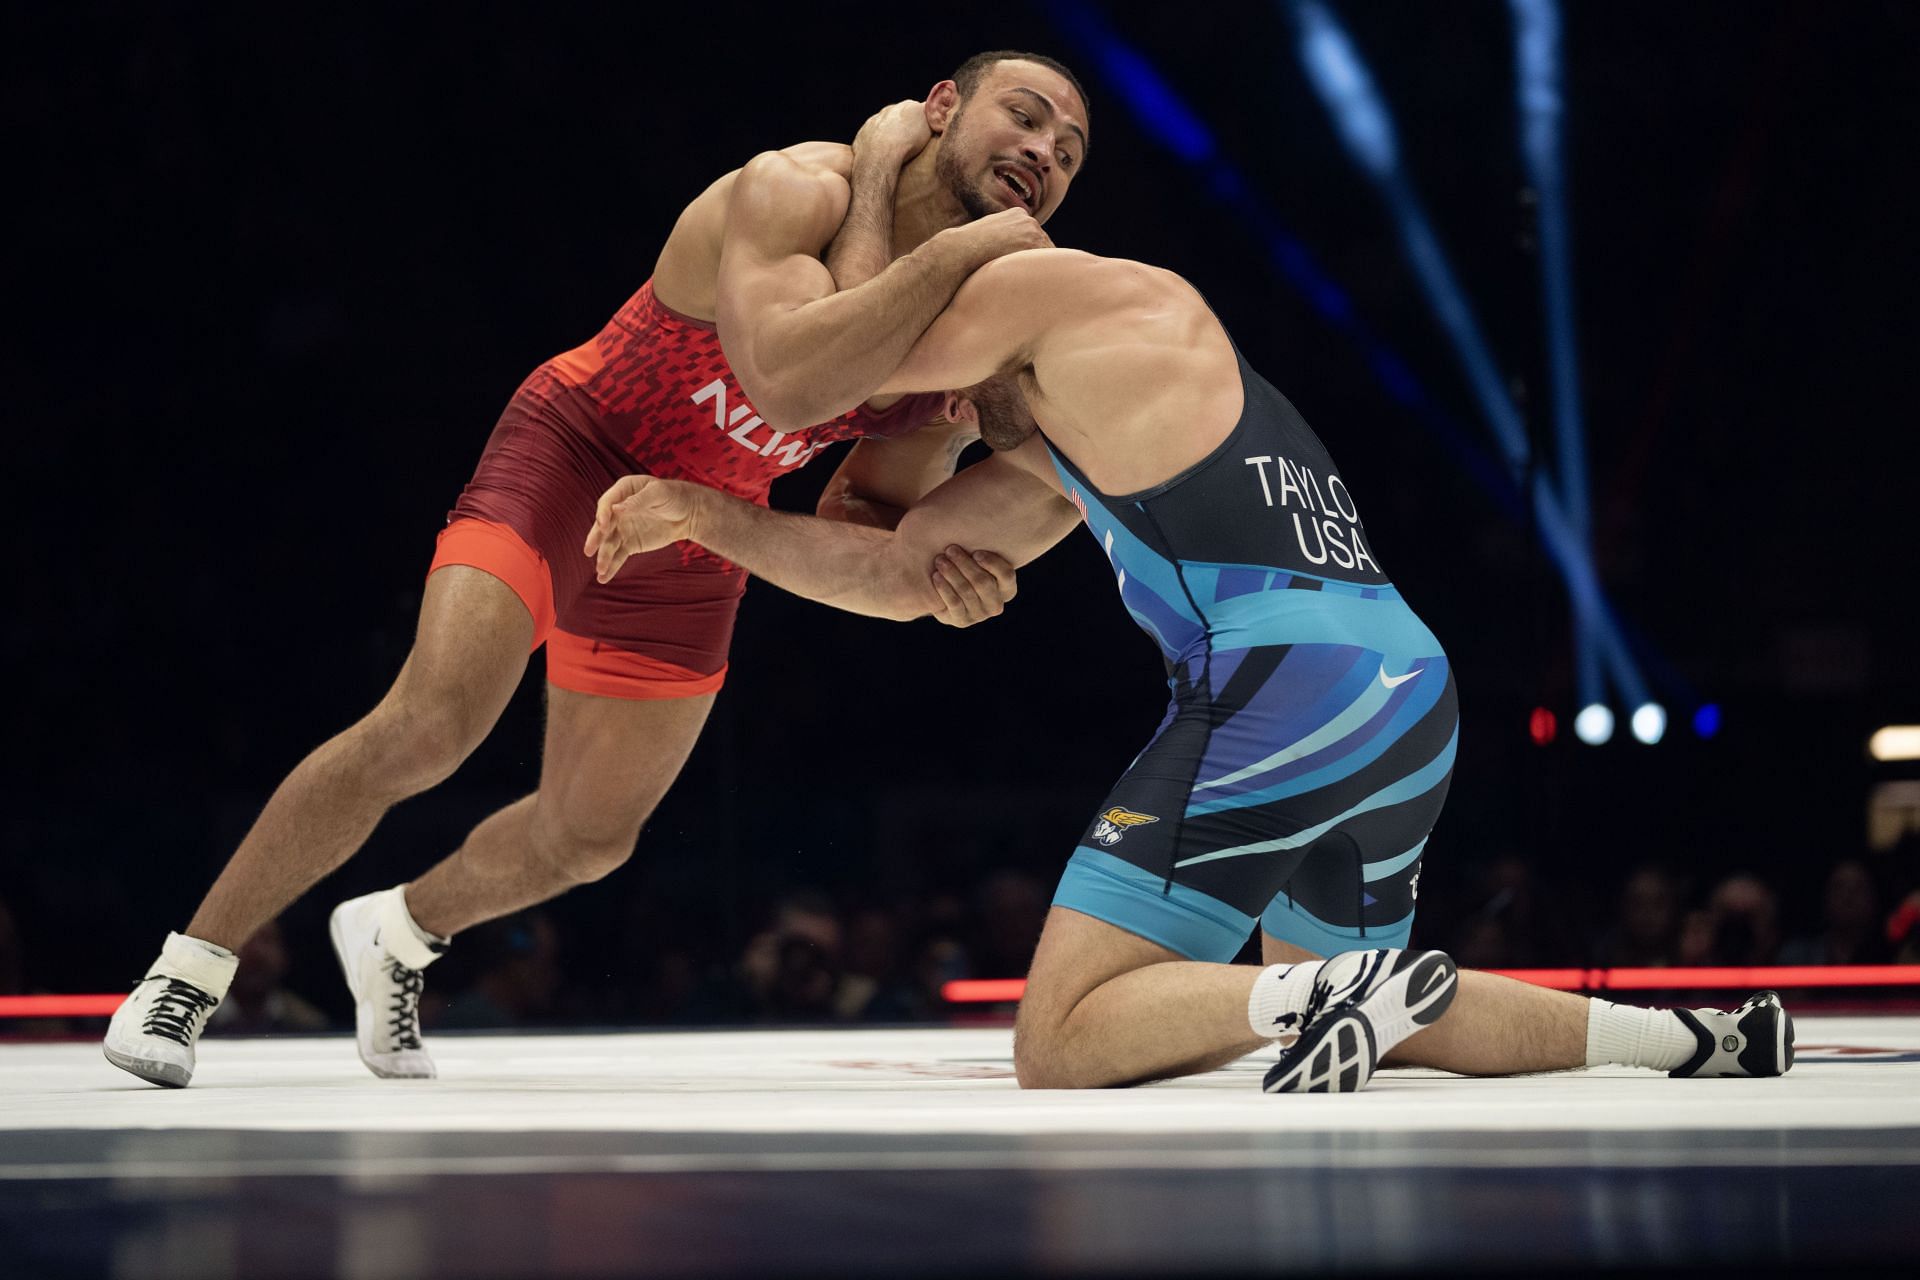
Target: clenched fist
[[996, 236], [973, 586], [639, 514]]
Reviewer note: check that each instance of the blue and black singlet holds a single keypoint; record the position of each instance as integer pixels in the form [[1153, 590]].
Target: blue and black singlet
[[1310, 739]]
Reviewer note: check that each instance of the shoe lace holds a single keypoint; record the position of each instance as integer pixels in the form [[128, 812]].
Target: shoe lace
[[403, 1019], [1316, 1003], [176, 1010], [1316, 1000], [1321, 993]]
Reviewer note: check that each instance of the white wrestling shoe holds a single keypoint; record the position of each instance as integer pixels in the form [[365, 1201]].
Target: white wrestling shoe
[[382, 954], [1754, 1040], [1363, 1004], [154, 1033]]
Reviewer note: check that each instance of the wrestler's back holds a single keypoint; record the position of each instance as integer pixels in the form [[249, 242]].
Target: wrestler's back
[[1313, 725], [1180, 457], [1135, 377]]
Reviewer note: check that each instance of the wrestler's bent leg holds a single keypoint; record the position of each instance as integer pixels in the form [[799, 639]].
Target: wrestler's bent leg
[[468, 655], [1496, 1026], [607, 762], [1106, 1007], [1130, 981], [469, 652]]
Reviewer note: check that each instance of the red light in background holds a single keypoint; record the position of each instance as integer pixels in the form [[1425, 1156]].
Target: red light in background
[[61, 1006], [1008, 990], [1542, 727]]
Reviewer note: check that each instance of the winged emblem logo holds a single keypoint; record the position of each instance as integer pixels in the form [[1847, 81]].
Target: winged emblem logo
[[1116, 822]]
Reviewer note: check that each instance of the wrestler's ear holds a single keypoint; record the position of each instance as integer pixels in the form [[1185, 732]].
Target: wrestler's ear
[[942, 101]]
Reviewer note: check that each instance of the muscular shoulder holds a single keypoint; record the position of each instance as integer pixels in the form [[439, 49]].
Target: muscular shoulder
[[798, 195], [1066, 277], [822, 157], [1048, 289]]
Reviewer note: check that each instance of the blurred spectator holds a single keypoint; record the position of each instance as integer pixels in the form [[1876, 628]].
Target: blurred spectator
[[939, 960], [1903, 930], [1851, 929], [1011, 907], [941, 956], [791, 969], [1481, 941], [257, 1003], [518, 974], [13, 963], [872, 989], [1517, 925], [1647, 932], [673, 989], [805, 979], [13, 982], [1738, 926]]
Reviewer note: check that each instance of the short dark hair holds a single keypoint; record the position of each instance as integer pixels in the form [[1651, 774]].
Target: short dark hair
[[968, 77]]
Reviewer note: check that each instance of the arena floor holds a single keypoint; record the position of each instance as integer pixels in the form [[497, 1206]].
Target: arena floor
[[890, 1152]]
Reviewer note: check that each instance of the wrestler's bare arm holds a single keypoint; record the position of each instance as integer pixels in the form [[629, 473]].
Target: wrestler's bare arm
[[1008, 314], [880, 480], [1013, 313], [863, 246], [1004, 505], [804, 353]]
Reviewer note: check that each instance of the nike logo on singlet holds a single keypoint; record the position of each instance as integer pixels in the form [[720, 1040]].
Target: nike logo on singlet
[[1394, 682]]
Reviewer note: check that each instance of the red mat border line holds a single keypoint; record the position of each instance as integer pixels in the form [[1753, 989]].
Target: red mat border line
[[1008, 990], [60, 1006]]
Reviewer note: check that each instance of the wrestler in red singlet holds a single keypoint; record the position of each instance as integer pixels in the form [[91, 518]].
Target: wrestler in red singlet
[[650, 394]]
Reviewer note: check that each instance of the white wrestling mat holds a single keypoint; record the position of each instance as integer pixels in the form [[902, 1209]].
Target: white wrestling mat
[[888, 1153], [1851, 1073]]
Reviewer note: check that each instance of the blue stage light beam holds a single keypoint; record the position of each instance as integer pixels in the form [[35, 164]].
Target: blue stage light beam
[[1360, 116], [1590, 605], [1340, 76], [1159, 111], [1539, 80], [1542, 103]]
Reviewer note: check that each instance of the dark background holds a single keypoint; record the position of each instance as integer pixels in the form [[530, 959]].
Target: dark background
[[275, 271]]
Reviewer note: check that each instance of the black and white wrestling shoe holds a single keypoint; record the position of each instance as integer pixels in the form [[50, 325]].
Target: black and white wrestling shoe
[[1754, 1040], [1364, 1003], [382, 953], [154, 1034]]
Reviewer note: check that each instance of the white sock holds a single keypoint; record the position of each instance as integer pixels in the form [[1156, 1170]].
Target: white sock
[[402, 936], [1622, 1035], [1281, 989], [205, 965]]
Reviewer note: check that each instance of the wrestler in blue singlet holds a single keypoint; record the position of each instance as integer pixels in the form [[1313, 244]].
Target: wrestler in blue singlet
[[1307, 750]]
